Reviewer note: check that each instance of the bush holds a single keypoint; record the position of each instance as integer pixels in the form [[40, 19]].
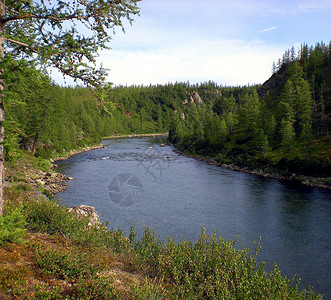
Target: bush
[[49, 217], [64, 264], [212, 268], [12, 227]]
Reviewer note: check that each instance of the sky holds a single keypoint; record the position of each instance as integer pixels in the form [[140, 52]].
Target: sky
[[230, 42]]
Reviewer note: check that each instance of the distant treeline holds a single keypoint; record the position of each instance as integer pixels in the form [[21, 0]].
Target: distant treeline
[[284, 122], [47, 119]]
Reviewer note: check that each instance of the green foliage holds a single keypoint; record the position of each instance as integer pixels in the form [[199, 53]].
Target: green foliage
[[212, 268], [12, 227], [47, 216], [47, 294], [95, 288], [50, 33], [288, 136], [13, 279], [65, 264], [252, 128]]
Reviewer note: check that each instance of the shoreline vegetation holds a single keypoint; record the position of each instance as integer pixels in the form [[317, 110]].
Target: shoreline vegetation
[[135, 135], [49, 253], [317, 182], [73, 152]]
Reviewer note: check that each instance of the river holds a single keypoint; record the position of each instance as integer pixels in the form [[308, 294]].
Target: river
[[137, 182]]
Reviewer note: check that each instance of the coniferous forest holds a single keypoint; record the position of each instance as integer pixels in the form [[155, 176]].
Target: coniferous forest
[[279, 128], [282, 125]]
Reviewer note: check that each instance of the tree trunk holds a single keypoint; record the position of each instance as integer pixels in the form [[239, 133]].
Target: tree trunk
[[2, 112], [35, 142]]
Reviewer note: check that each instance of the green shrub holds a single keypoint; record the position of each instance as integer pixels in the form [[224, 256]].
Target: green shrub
[[12, 227], [13, 279], [64, 264], [212, 268], [49, 217], [47, 293], [94, 288]]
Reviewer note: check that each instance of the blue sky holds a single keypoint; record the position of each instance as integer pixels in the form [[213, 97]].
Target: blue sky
[[231, 42]]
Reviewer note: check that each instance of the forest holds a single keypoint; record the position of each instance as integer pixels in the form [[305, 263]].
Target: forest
[[283, 124]]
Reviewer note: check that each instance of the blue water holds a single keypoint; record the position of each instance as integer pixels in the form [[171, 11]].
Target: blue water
[[137, 182]]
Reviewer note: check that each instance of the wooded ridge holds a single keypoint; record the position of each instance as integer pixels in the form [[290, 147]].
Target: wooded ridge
[[281, 126]]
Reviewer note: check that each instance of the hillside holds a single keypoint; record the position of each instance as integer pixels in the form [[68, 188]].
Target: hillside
[[279, 129]]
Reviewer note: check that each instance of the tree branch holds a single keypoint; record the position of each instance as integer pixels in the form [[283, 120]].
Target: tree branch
[[21, 44]]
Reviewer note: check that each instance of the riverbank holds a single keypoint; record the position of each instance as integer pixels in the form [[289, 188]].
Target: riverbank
[[41, 178], [135, 135], [73, 152], [317, 182], [63, 256]]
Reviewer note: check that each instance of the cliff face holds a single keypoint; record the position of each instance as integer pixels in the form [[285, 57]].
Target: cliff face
[[319, 79], [274, 84]]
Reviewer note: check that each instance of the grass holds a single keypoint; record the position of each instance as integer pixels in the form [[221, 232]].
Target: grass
[[59, 257]]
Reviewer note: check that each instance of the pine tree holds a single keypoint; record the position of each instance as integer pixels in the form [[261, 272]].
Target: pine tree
[[288, 135]]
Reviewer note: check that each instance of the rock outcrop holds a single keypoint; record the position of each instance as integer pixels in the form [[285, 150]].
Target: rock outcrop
[[86, 211], [195, 98], [274, 83]]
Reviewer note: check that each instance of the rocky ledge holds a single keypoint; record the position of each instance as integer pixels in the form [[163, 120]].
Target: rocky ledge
[[86, 211], [57, 182], [54, 182]]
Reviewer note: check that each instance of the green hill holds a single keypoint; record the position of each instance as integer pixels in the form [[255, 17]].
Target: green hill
[[281, 127]]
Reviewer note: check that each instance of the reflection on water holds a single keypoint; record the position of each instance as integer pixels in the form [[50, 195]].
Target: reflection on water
[[176, 196]]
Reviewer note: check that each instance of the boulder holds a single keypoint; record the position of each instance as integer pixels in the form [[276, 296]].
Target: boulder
[[86, 211]]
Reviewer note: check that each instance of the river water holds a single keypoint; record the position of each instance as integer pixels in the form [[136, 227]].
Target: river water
[[137, 182]]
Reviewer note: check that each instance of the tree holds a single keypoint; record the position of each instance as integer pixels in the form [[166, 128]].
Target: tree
[[229, 108], [251, 114], [63, 34], [288, 135], [305, 104]]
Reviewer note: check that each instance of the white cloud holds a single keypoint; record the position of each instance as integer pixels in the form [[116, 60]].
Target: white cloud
[[199, 40], [269, 29], [308, 6], [230, 62]]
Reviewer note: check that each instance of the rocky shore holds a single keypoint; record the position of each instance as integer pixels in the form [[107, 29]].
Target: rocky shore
[[57, 182], [308, 181], [135, 135], [86, 211], [73, 152], [53, 181]]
